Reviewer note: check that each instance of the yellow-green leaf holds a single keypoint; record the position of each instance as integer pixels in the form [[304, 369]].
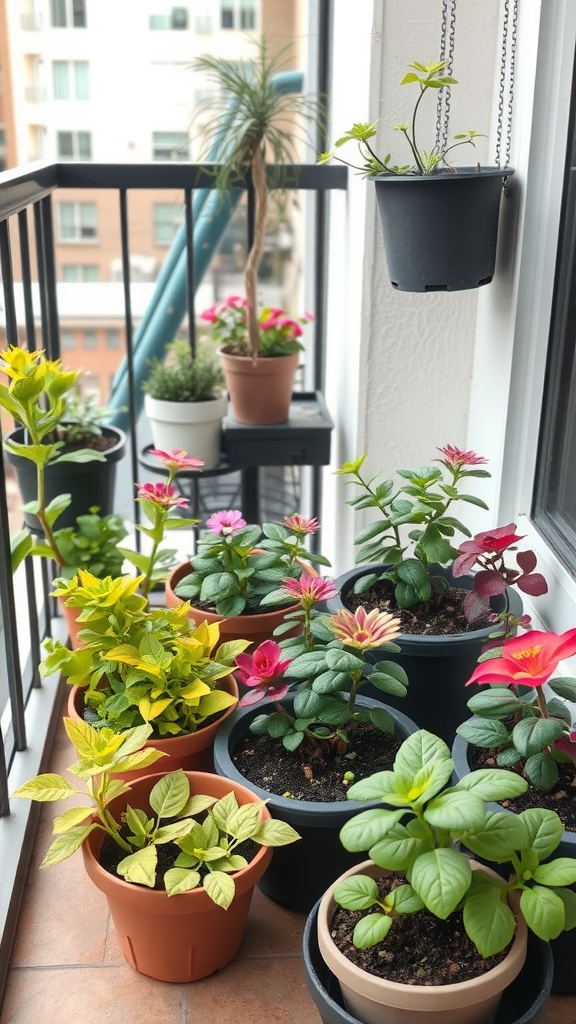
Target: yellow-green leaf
[[46, 788]]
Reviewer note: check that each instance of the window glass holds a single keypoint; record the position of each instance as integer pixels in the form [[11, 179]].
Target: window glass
[[67, 339], [167, 219], [113, 338], [88, 273], [58, 13], [65, 145], [169, 146], [90, 339], [81, 80], [76, 221], [61, 79], [79, 13], [159, 21], [179, 18], [227, 14]]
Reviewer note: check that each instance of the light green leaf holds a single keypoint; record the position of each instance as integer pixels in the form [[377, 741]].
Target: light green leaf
[[488, 920], [493, 784], [73, 816], [365, 829], [140, 867], [220, 888], [67, 844], [357, 893], [177, 880], [275, 833], [543, 911], [561, 871], [371, 929], [170, 794], [441, 878], [46, 788]]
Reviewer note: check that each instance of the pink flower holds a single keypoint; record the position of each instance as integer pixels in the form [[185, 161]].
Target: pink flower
[[528, 660], [227, 523], [162, 494], [490, 542], [209, 314], [261, 670], [309, 590], [176, 459], [310, 317], [458, 457], [364, 630], [235, 302], [300, 525]]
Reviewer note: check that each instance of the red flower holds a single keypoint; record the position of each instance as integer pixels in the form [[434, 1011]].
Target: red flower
[[261, 670], [458, 457], [162, 494], [528, 660]]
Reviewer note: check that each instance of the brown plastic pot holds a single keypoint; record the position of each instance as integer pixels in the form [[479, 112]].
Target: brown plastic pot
[[375, 1000], [192, 751], [260, 389], [176, 938]]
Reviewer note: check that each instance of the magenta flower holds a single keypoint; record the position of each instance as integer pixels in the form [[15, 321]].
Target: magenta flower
[[176, 459], [458, 457], [261, 671], [364, 630], [235, 302], [226, 523], [300, 525], [210, 315], [310, 590], [488, 543], [162, 494]]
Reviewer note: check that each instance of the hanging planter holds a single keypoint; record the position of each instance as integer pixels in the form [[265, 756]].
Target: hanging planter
[[440, 230]]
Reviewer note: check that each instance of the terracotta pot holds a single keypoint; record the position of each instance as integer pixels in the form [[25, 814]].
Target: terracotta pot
[[255, 628], [70, 616], [176, 938], [192, 751], [260, 389], [375, 1000]]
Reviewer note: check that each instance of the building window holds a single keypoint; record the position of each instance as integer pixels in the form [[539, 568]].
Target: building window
[[113, 338], [176, 19], [170, 146], [68, 13], [77, 222], [67, 340], [70, 79], [74, 145], [167, 219], [238, 14], [203, 24], [227, 14], [87, 273], [90, 339]]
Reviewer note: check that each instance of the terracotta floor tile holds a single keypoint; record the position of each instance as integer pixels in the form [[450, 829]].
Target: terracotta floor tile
[[561, 1010], [89, 995], [271, 928], [271, 990]]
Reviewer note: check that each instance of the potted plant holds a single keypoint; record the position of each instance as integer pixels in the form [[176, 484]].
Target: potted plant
[[439, 222], [249, 123], [56, 431], [138, 666], [447, 617], [519, 724], [237, 567], [316, 733], [185, 402], [173, 853], [455, 931]]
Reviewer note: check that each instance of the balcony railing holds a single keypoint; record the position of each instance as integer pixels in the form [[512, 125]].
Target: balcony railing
[[26, 213]]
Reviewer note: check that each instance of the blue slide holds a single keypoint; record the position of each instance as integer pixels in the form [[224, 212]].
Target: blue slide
[[168, 305]]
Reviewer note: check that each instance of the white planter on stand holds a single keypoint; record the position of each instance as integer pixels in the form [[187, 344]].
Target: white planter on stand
[[195, 427]]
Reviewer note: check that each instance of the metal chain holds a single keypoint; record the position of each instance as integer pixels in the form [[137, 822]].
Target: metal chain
[[507, 68], [447, 36]]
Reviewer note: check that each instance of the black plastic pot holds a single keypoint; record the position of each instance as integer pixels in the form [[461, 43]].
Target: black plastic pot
[[438, 667], [523, 1002], [564, 947], [299, 874], [440, 230], [89, 483]]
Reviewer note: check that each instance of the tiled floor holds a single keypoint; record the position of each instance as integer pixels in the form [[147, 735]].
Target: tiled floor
[[67, 966]]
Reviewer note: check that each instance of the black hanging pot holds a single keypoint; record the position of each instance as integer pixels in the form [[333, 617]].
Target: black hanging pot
[[89, 483], [440, 230]]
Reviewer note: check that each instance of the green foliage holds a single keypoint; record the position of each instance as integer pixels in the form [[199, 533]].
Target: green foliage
[[182, 378], [427, 77], [418, 830], [139, 665], [83, 418], [205, 847], [92, 545]]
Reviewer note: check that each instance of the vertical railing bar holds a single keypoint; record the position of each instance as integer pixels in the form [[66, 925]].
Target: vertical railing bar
[[129, 349], [27, 280], [41, 263], [4, 795], [53, 347], [8, 282], [190, 270], [33, 620], [8, 608], [46, 588]]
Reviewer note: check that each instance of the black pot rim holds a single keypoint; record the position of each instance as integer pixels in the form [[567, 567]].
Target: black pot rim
[[447, 174], [298, 810], [112, 454]]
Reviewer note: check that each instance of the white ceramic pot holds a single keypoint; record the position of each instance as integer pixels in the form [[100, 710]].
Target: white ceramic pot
[[195, 427]]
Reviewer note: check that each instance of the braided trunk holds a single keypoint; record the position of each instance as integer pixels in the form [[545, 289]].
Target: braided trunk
[[258, 168]]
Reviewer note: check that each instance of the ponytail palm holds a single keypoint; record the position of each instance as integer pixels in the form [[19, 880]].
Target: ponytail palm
[[253, 120]]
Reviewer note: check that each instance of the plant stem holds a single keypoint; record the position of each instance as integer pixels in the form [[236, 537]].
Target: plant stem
[[258, 168]]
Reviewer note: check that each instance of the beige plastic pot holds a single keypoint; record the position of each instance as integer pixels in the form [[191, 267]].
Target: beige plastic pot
[[378, 1001], [260, 389], [195, 427]]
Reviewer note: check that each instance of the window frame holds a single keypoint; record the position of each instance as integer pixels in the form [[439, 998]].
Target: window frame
[[79, 208]]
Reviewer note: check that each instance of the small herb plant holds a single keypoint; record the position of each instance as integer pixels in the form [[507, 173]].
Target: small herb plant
[[416, 833], [204, 849], [528, 730], [84, 418], [428, 78], [181, 377], [422, 503], [238, 565], [140, 666]]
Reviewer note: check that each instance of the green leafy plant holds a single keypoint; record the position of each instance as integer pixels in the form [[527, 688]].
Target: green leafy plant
[[204, 850], [428, 78], [84, 418], [140, 666], [92, 545], [237, 565], [251, 121], [181, 377], [417, 832], [421, 501], [279, 333]]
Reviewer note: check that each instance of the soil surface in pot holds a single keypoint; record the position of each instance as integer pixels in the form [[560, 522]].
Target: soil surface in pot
[[442, 615], [99, 443], [419, 949], [305, 774], [561, 798], [111, 855]]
